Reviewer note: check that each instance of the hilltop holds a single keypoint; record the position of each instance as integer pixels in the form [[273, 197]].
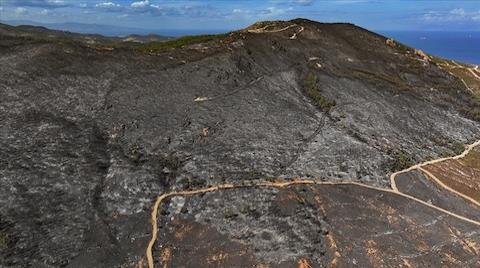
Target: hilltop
[[93, 131]]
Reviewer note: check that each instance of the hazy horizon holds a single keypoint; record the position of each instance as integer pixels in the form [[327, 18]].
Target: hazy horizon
[[125, 30], [222, 15]]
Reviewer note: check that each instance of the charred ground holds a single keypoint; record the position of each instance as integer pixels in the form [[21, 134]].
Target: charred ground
[[92, 133]]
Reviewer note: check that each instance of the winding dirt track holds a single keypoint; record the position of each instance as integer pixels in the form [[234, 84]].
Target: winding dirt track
[[284, 184], [439, 182], [419, 166], [263, 29], [455, 65]]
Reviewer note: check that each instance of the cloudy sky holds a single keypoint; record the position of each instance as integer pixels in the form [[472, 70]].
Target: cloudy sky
[[233, 14]]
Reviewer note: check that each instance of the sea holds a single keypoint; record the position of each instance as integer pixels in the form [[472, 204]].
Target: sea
[[460, 46]]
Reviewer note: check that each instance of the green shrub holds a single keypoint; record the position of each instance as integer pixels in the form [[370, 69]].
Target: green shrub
[[401, 160], [313, 92], [4, 241], [457, 147], [136, 155], [474, 110], [230, 213]]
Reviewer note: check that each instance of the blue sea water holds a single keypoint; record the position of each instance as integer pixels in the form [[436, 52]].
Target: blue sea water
[[461, 46]]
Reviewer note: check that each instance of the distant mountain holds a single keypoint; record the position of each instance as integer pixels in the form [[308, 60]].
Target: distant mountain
[[111, 30], [43, 33], [85, 28]]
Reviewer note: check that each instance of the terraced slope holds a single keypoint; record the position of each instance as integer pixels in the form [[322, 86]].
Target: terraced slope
[[463, 175], [315, 225]]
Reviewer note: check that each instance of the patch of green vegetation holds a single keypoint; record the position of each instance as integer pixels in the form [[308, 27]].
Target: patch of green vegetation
[[450, 146], [312, 90], [401, 160], [457, 147], [167, 165], [404, 49], [439, 61], [179, 42], [461, 72], [230, 214], [4, 241], [445, 154], [172, 162], [473, 159], [469, 79], [472, 110], [192, 183], [135, 154]]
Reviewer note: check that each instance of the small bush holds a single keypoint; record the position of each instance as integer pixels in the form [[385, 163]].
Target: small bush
[[312, 91], [457, 147], [4, 241], [136, 155], [474, 110], [172, 162], [192, 182], [401, 160], [404, 49], [230, 214]]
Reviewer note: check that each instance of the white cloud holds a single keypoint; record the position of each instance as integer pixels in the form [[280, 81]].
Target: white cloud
[[107, 5], [304, 2], [250, 14], [476, 17], [56, 2], [21, 11], [44, 12], [110, 6], [454, 15], [347, 2], [39, 3], [146, 7], [431, 16], [458, 12], [140, 4], [274, 11]]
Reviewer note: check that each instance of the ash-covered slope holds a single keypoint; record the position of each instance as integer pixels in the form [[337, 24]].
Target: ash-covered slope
[[91, 134]]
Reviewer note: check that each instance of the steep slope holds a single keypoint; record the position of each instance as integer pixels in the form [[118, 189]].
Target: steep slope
[[462, 175], [91, 135], [322, 226]]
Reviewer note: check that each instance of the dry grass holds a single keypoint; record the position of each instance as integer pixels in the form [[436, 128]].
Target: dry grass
[[303, 263], [166, 256]]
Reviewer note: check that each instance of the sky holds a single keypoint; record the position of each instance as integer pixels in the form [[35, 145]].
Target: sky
[[223, 15]]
